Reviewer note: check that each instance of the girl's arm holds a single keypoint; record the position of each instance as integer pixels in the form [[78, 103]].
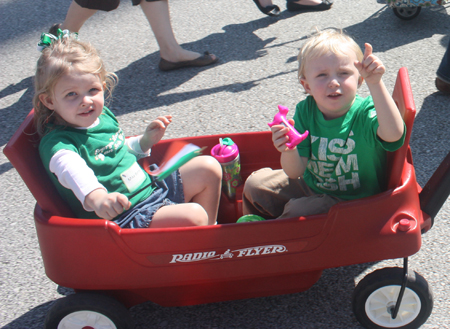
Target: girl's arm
[[107, 205], [390, 121], [134, 147], [292, 163], [73, 173], [154, 132]]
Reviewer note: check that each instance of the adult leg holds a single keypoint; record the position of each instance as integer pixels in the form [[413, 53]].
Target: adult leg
[[202, 177], [76, 16], [158, 15], [443, 73]]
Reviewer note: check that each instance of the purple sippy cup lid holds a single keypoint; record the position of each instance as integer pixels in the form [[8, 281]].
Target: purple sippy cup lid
[[225, 151]]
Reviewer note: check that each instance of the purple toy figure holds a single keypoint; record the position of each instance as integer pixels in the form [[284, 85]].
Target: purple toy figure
[[295, 137]]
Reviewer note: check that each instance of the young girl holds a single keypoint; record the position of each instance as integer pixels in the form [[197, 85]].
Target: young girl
[[91, 163], [344, 156]]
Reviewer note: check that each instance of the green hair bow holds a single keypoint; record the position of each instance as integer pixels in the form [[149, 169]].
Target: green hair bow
[[48, 38]]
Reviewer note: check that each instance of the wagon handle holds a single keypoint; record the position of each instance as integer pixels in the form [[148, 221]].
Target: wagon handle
[[436, 190], [402, 289]]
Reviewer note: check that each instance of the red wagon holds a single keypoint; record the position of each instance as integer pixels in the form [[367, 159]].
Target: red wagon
[[112, 269]]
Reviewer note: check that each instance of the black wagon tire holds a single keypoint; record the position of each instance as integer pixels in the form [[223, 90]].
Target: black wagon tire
[[88, 310], [407, 13], [375, 297]]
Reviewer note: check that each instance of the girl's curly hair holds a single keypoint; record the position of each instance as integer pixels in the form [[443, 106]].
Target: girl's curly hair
[[62, 56]]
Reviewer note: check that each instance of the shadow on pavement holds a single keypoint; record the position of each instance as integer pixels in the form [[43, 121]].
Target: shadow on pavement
[[143, 78], [429, 137], [330, 297]]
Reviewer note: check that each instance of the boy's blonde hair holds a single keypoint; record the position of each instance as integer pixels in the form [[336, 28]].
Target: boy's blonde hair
[[325, 41], [59, 59]]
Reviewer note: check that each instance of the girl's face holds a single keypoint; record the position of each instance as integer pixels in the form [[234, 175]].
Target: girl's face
[[333, 81], [77, 98]]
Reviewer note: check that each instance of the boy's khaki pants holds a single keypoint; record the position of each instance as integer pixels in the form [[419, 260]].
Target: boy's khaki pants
[[272, 194]]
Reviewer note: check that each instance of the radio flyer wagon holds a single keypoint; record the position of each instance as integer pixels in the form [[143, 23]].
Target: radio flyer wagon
[[112, 269], [410, 9]]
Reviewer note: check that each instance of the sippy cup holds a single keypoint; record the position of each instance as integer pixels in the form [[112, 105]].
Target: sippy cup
[[227, 153]]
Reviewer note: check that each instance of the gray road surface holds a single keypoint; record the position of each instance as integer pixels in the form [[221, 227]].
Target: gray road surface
[[257, 71]]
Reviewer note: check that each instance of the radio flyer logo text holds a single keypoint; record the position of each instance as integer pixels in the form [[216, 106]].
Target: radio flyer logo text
[[212, 255]]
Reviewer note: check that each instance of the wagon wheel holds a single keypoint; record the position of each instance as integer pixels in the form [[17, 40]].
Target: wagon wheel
[[88, 310], [375, 297], [407, 13]]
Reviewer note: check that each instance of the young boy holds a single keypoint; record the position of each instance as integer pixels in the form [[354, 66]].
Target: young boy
[[344, 156]]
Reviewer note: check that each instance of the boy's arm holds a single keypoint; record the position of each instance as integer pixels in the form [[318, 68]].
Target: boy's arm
[[390, 121], [292, 163]]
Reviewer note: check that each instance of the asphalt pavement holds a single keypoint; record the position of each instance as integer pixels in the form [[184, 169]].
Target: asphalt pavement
[[256, 72]]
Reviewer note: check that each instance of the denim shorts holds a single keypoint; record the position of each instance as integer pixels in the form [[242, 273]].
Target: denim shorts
[[167, 192]]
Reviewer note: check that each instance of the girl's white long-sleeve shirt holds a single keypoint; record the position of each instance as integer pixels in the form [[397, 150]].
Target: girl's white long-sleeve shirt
[[73, 172]]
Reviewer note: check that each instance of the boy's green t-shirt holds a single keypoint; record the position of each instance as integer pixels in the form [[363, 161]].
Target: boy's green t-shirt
[[346, 158], [105, 152]]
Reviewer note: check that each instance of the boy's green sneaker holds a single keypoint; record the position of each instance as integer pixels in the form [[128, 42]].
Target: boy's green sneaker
[[249, 218]]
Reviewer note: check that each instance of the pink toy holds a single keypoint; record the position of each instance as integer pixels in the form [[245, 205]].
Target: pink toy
[[295, 137]]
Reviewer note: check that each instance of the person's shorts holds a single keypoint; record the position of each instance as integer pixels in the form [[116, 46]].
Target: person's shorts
[[168, 192], [105, 5]]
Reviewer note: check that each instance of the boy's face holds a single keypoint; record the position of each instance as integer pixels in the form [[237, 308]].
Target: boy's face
[[77, 98], [333, 81]]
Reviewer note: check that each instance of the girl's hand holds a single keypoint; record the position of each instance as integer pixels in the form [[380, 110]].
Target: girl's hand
[[371, 68], [154, 132], [279, 137], [107, 205]]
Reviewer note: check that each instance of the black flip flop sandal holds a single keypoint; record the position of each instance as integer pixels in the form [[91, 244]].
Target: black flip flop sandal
[[271, 10]]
